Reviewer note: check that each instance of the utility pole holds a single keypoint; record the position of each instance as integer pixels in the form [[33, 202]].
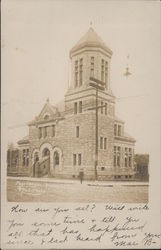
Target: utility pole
[[97, 85], [96, 148]]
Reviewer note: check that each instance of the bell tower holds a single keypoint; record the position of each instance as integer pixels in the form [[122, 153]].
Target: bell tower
[[89, 57]]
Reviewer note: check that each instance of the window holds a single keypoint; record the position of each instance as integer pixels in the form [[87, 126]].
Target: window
[[76, 79], [117, 152], [27, 157], [24, 157], [76, 74], [101, 108], [56, 158], [40, 133], [75, 108], [74, 159], [53, 130], [102, 168], [105, 143], [130, 157], [125, 161], [105, 108], [46, 117], [119, 130], [118, 156], [79, 159], [115, 129], [77, 131], [92, 67], [106, 73], [80, 71], [115, 162], [45, 152], [126, 157], [80, 107], [45, 131], [101, 142], [27, 161], [36, 156], [102, 70]]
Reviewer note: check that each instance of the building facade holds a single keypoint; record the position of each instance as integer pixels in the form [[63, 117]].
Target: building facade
[[62, 138]]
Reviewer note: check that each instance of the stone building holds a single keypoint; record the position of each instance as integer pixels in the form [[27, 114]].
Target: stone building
[[62, 138]]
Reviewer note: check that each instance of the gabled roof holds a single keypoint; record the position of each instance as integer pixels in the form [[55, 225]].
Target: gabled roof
[[49, 113], [90, 39], [47, 108]]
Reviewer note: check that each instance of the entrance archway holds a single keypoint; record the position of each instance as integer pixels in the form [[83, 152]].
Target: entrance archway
[[45, 159], [45, 152]]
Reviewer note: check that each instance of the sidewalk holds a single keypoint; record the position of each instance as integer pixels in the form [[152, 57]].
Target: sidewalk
[[77, 181]]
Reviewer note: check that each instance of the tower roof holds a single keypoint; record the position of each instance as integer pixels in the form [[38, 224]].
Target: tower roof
[[90, 39]]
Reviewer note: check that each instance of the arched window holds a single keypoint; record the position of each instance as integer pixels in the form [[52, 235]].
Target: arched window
[[45, 152], [46, 117], [56, 158]]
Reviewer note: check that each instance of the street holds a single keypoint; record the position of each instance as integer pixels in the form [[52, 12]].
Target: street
[[21, 189]]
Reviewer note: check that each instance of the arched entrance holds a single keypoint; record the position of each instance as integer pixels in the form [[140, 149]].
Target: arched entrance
[[45, 152], [45, 161]]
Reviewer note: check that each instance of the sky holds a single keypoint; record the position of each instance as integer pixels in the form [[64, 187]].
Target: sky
[[37, 36]]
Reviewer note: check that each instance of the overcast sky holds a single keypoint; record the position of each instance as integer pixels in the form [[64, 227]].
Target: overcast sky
[[37, 36]]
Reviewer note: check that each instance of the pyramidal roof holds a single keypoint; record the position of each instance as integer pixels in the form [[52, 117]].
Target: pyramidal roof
[[90, 39]]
